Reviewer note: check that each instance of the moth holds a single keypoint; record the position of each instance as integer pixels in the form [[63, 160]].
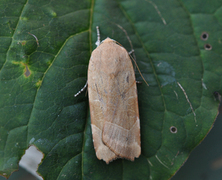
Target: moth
[[113, 103]]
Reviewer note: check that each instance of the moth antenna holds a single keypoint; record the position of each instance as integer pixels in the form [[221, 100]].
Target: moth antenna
[[130, 42], [132, 51], [98, 36], [81, 90], [139, 70]]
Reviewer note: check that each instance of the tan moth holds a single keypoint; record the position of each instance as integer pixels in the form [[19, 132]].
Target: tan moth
[[113, 102]]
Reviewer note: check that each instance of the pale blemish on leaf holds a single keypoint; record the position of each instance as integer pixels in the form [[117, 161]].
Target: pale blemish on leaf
[[50, 12], [158, 11], [176, 94], [38, 83], [24, 18], [22, 42], [37, 41], [161, 162], [185, 94], [203, 84]]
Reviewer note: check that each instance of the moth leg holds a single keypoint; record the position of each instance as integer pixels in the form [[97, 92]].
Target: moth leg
[[84, 87], [98, 36], [131, 52]]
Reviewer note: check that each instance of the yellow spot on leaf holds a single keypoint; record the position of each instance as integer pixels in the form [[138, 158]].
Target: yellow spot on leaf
[[23, 43], [24, 18], [38, 83], [26, 70]]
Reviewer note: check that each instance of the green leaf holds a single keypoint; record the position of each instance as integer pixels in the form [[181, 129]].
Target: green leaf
[[204, 161], [44, 54]]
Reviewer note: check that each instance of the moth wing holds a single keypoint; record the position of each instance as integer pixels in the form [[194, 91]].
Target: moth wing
[[121, 128], [98, 103]]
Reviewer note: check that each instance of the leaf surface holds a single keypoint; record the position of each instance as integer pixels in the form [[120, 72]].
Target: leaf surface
[[44, 54]]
